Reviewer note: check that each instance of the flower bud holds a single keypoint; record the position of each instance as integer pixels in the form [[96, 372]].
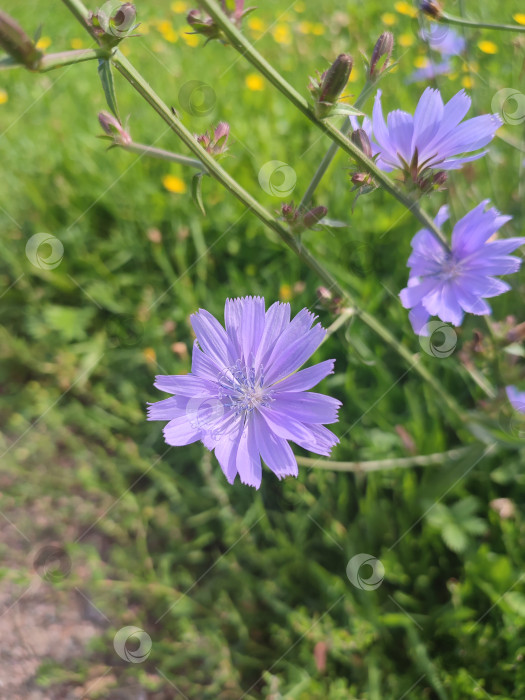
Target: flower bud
[[360, 139], [15, 42], [440, 179], [289, 212], [384, 47], [314, 216], [112, 28], [112, 127], [431, 8], [123, 20], [217, 144], [203, 24], [335, 79]]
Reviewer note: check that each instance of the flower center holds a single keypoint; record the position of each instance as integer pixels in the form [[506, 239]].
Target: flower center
[[452, 268], [242, 389]]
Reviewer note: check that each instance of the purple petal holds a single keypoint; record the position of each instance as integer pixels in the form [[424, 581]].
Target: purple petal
[[418, 317], [248, 457], [275, 451], [401, 129], [293, 356], [306, 378], [179, 431], [318, 439], [203, 366], [471, 135], [306, 407], [212, 338], [226, 453], [427, 120], [277, 319], [516, 398], [185, 385], [167, 409]]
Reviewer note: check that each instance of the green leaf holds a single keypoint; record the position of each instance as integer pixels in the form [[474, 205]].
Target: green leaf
[[106, 77], [345, 110], [196, 191]]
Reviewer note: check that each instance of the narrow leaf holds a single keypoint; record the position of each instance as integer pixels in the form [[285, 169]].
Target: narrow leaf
[[106, 77], [196, 191]]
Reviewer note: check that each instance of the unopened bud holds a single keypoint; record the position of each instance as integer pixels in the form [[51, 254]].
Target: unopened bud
[[431, 8], [324, 295], [203, 24], [217, 143], [440, 178], [17, 44], [289, 212], [360, 139], [112, 127], [335, 79], [314, 216], [124, 19], [384, 47], [359, 178]]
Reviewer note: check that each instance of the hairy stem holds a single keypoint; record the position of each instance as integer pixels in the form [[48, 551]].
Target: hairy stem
[[152, 152], [66, 58]]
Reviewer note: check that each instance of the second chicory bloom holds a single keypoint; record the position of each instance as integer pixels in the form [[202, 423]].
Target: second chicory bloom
[[444, 40], [516, 398], [448, 284], [433, 138]]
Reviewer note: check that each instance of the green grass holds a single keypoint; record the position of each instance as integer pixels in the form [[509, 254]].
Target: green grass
[[255, 582]]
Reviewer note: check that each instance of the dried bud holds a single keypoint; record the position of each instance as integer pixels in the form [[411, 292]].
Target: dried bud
[[203, 24], [431, 8], [124, 19], [289, 212], [360, 139], [114, 128], [110, 25], [17, 44], [335, 79], [359, 178], [314, 216], [440, 179], [384, 47], [324, 295]]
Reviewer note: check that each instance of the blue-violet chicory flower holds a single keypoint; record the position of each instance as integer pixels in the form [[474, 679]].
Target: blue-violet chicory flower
[[432, 138], [443, 39], [244, 398], [447, 284], [430, 72], [516, 398]]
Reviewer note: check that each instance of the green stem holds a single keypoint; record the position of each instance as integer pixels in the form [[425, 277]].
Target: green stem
[[449, 19], [66, 58], [162, 155], [334, 147], [382, 464], [243, 46], [136, 80]]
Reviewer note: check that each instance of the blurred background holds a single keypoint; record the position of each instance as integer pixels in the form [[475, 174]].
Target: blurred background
[[238, 593]]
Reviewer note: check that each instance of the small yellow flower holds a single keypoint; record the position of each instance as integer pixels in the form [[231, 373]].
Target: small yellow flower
[[487, 46], [405, 8], [282, 34], [299, 6], [318, 29], [43, 43], [257, 26], [174, 184], [285, 292], [472, 66], [150, 355], [388, 18], [77, 44], [190, 39], [167, 31], [254, 82], [467, 82], [406, 40], [305, 27], [179, 7], [354, 75], [3, 97], [519, 17], [421, 62]]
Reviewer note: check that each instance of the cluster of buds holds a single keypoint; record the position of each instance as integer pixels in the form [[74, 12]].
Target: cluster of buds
[[202, 23], [431, 8], [111, 24], [114, 130], [216, 143], [299, 222], [16, 43], [432, 183], [327, 88], [382, 50]]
